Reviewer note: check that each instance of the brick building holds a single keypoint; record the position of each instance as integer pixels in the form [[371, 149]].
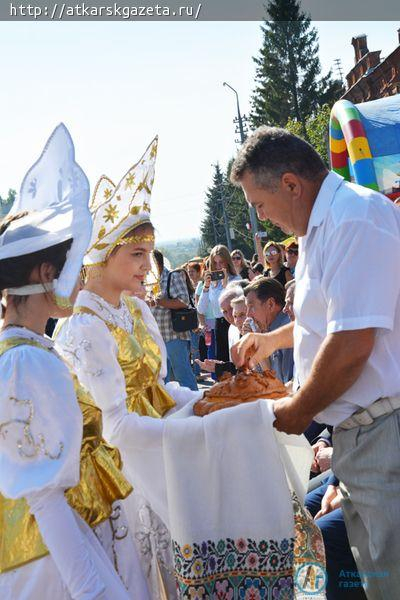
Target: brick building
[[372, 77]]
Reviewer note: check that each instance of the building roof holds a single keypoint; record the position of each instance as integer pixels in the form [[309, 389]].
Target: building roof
[[362, 83]]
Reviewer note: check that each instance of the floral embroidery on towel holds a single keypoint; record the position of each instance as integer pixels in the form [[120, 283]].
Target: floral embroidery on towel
[[241, 569]]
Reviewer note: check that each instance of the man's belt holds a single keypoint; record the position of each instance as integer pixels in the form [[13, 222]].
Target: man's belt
[[366, 416]]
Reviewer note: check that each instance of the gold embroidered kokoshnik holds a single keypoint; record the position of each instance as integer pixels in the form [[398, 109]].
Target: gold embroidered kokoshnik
[[101, 483], [140, 360]]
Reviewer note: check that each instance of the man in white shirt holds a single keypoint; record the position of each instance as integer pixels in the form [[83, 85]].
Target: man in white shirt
[[346, 334]]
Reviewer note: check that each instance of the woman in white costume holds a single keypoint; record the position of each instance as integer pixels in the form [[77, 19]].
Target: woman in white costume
[[51, 479], [114, 343]]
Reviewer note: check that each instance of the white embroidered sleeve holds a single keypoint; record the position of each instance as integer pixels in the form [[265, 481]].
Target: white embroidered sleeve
[[40, 423], [182, 396], [68, 547]]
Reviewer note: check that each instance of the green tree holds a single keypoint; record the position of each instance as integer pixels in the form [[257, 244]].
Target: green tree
[[239, 217], [288, 75], [6, 203], [212, 226], [317, 128], [238, 214], [274, 232]]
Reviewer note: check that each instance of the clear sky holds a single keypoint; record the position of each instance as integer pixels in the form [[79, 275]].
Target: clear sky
[[115, 85]]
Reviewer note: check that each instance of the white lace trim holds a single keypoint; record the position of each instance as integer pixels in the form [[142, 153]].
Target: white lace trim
[[118, 316]]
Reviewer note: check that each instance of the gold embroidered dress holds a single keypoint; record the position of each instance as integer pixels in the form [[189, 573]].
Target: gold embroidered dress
[[119, 355]]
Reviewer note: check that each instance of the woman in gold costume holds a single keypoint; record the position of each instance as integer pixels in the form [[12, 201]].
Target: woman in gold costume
[[114, 344], [57, 486]]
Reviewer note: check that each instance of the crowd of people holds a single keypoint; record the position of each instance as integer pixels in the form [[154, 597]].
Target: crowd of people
[[109, 486], [233, 296]]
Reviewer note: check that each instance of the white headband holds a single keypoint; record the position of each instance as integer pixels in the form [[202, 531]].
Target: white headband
[[34, 288]]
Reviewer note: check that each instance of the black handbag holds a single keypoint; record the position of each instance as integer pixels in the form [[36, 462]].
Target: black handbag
[[183, 319]]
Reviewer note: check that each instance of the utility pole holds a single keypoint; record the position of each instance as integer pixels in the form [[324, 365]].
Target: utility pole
[[226, 222], [338, 67], [221, 200], [242, 130]]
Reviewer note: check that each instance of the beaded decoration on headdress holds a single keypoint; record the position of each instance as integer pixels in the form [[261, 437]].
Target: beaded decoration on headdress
[[137, 239], [118, 209]]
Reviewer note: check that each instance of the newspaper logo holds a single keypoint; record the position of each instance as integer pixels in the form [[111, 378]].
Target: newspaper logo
[[310, 578]]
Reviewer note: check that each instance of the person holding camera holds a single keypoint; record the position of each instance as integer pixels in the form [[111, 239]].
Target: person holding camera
[[222, 272]]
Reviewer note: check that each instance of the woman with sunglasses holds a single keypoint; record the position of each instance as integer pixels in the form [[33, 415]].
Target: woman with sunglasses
[[292, 255], [274, 262], [241, 265]]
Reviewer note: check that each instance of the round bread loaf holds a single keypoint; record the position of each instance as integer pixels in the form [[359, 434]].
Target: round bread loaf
[[245, 386]]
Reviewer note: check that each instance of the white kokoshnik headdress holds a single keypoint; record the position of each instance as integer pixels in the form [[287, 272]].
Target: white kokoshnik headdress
[[117, 209], [55, 193]]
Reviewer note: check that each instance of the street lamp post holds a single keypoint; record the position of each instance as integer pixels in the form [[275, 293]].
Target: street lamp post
[[226, 223], [239, 121]]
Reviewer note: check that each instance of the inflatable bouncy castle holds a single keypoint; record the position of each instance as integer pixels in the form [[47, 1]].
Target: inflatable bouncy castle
[[364, 142]]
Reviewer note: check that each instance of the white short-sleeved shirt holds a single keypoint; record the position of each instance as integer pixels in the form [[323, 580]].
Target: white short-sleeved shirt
[[348, 278]]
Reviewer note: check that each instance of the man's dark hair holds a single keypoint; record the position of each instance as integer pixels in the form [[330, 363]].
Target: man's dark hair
[[270, 152], [265, 288]]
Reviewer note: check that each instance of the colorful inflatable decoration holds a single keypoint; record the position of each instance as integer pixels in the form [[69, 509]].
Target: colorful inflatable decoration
[[364, 141]]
